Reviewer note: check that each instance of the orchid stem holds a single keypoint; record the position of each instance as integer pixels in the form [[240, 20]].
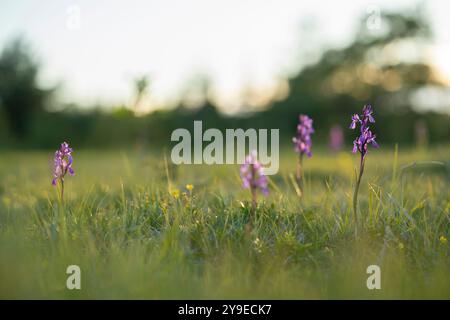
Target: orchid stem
[[254, 203], [300, 174], [355, 195], [253, 190], [62, 190]]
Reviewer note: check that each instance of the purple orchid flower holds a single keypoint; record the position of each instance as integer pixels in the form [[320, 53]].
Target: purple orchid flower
[[362, 142], [62, 165], [302, 145], [355, 120], [367, 113], [366, 137], [361, 145], [253, 178], [302, 141], [252, 175]]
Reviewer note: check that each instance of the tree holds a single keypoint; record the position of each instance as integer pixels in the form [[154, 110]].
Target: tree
[[371, 69], [20, 96], [140, 86]]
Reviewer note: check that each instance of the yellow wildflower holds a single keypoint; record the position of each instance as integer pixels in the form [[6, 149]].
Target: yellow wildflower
[[443, 240], [175, 193], [189, 187]]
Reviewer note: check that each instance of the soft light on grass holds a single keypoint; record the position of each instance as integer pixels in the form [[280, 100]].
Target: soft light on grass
[[133, 239]]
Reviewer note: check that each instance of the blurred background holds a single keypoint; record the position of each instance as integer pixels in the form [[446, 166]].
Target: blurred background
[[125, 74]]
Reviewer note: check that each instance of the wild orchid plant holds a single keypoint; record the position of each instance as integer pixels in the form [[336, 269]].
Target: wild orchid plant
[[360, 145], [336, 138], [62, 165], [253, 178], [302, 145]]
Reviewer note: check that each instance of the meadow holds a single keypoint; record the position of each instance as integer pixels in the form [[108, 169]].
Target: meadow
[[137, 232]]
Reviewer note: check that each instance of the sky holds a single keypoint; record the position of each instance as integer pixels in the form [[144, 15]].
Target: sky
[[95, 49]]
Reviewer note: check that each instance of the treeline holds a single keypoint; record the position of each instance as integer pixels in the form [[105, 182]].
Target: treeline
[[329, 91], [122, 129]]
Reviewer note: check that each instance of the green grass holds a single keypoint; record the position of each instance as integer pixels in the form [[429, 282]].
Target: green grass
[[133, 239]]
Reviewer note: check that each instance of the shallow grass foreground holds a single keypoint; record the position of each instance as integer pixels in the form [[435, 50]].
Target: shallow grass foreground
[[135, 230]]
